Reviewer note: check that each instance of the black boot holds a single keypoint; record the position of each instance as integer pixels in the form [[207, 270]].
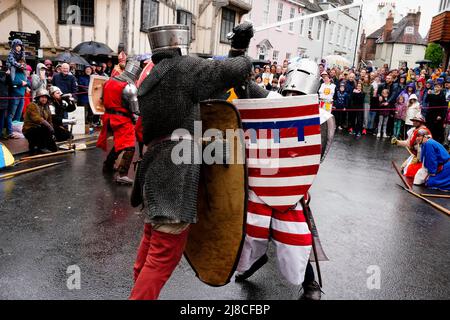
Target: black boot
[[311, 291], [255, 267], [108, 165]]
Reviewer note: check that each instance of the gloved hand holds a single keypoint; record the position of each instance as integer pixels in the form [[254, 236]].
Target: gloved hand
[[67, 97], [48, 126], [135, 118], [394, 141], [241, 36]]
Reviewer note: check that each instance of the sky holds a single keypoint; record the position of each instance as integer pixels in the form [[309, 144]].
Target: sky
[[429, 8]]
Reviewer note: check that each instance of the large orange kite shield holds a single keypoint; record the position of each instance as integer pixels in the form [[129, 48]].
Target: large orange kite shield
[[95, 94], [215, 241]]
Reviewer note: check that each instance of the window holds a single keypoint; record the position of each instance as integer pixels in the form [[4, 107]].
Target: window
[[409, 30], [262, 52], [292, 16], [275, 55], [311, 24], [280, 11], [408, 49], [266, 11], [228, 22], [65, 12], [339, 34], [302, 23], [310, 28], [185, 17], [149, 14], [319, 29], [344, 40], [332, 25], [350, 39]]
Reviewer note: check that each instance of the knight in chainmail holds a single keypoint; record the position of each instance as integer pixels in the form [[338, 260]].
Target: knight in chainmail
[[121, 112], [169, 99]]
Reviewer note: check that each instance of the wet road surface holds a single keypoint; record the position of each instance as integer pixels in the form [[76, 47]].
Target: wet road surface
[[73, 215]]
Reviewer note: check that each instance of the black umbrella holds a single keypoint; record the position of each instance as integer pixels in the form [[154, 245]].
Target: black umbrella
[[92, 48], [423, 61], [71, 57]]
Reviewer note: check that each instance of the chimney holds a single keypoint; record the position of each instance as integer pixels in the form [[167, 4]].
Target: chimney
[[388, 27], [417, 20]]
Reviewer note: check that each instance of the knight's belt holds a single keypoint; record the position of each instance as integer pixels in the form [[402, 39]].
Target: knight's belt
[[120, 113]]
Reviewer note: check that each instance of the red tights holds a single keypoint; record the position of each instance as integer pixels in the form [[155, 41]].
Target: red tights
[[158, 255]]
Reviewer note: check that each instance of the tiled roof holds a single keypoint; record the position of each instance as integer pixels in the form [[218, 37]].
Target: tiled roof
[[377, 34], [399, 34]]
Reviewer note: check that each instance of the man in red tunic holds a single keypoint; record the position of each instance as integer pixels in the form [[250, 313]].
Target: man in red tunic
[[121, 112], [412, 165]]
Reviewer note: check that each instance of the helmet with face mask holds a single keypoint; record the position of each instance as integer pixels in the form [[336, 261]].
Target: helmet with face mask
[[302, 78], [170, 37]]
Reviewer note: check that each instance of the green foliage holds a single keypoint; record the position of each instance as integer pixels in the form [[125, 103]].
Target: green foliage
[[434, 53]]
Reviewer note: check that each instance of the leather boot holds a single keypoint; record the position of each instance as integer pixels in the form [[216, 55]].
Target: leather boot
[[124, 167], [311, 291], [108, 165]]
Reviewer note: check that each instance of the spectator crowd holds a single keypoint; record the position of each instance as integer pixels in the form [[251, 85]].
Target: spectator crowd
[[364, 100], [379, 101], [52, 90]]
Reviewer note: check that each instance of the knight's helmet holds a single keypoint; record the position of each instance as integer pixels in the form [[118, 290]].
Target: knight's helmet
[[302, 77], [132, 71], [170, 37], [41, 93]]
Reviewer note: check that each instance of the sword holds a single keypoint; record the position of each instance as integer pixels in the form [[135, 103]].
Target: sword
[[307, 213]]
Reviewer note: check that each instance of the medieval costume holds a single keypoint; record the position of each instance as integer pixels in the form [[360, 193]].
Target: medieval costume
[[413, 164], [37, 127], [170, 99], [278, 203], [121, 112], [437, 161]]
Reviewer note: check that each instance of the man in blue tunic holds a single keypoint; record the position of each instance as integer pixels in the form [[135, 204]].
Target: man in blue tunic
[[436, 160]]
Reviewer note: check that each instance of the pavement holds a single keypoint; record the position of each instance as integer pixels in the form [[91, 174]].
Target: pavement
[[20, 146], [370, 229]]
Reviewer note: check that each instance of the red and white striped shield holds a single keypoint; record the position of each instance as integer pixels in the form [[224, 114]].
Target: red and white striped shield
[[283, 147]]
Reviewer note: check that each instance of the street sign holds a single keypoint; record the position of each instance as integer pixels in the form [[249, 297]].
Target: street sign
[[28, 39]]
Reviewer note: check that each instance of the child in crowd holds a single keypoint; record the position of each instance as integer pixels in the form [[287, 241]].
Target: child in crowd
[[400, 113], [259, 82], [412, 111], [274, 85], [341, 101], [15, 57], [383, 115]]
